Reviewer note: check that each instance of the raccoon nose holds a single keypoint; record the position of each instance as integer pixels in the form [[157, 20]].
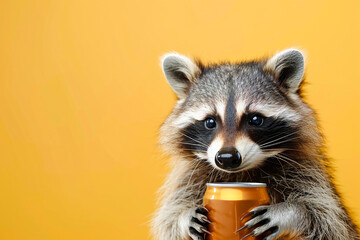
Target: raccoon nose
[[228, 158]]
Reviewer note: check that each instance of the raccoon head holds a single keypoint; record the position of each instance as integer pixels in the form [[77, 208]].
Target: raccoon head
[[236, 116]]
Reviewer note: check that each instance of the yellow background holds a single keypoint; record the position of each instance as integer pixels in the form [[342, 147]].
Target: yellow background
[[82, 96]]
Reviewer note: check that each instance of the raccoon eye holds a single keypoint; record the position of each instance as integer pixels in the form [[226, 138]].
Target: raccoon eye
[[256, 120], [210, 123]]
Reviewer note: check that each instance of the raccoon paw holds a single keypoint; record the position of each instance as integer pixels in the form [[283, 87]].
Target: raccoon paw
[[273, 220], [198, 224]]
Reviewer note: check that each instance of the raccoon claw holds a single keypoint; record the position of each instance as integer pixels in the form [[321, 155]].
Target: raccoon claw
[[202, 210], [195, 235], [247, 235], [204, 219], [256, 211], [200, 215], [261, 222], [240, 229], [198, 224], [273, 235], [273, 220]]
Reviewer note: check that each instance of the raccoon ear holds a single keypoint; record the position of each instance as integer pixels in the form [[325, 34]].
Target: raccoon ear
[[180, 72], [288, 68]]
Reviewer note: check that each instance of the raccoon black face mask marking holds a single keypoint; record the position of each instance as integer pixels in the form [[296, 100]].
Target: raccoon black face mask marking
[[247, 104]]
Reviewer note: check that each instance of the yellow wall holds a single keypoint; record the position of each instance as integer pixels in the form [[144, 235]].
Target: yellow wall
[[82, 96]]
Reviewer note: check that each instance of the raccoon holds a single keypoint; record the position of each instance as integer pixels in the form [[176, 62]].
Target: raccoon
[[247, 122]]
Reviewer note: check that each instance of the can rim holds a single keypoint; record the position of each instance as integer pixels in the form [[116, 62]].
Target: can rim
[[236, 184]]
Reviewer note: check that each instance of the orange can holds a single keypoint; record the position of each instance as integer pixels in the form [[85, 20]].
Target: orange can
[[227, 203]]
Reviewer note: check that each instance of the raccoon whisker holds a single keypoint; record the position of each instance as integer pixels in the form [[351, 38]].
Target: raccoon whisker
[[192, 173], [282, 167], [290, 172], [192, 144], [198, 141], [290, 161], [313, 168], [285, 157], [282, 192], [266, 174], [214, 176], [279, 136], [287, 160], [265, 139], [195, 150], [275, 140], [217, 175], [248, 173], [275, 137], [191, 155], [269, 150], [280, 142], [186, 143], [211, 174], [199, 136], [279, 160], [276, 143], [289, 149]]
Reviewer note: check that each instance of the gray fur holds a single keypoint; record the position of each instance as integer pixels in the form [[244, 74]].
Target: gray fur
[[304, 201]]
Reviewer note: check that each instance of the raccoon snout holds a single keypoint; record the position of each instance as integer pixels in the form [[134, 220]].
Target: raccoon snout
[[228, 158]]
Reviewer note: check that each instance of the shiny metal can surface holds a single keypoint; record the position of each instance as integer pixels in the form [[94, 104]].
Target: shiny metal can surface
[[227, 203]]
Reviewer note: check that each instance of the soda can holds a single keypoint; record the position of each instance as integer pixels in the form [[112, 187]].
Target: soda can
[[228, 203]]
